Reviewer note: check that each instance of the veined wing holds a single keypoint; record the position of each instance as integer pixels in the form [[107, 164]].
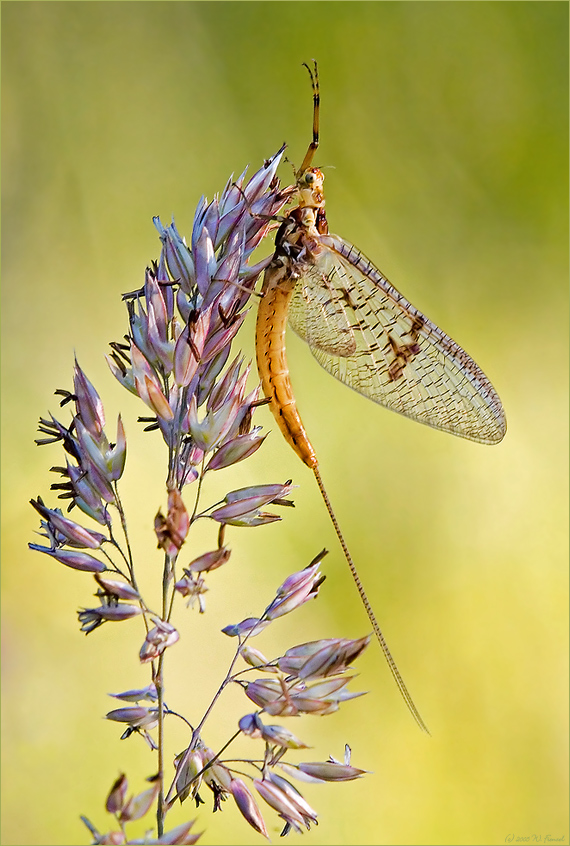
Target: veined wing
[[367, 335]]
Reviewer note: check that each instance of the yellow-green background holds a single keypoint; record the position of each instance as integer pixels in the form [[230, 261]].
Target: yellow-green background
[[446, 126]]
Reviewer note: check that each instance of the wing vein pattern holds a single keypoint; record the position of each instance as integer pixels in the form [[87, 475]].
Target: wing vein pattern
[[367, 335]]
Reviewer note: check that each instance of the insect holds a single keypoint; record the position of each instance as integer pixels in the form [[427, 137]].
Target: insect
[[367, 335]]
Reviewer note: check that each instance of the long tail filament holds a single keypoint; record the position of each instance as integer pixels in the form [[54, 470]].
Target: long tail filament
[[371, 616]]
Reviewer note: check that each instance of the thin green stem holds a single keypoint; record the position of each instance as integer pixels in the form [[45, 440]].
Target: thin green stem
[[198, 491], [160, 808], [129, 561], [114, 567], [196, 733]]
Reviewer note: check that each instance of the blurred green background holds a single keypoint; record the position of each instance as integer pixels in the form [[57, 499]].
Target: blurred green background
[[444, 135]]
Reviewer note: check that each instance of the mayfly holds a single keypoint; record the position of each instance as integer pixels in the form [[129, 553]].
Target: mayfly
[[367, 335]]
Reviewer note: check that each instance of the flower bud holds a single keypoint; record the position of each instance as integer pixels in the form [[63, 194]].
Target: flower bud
[[157, 640], [247, 806], [308, 575], [72, 533], [209, 372], [147, 384], [149, 693], [136, 717], [329, 771], [255, 658], [157, 401], [236, 450], [322, 658], [112, 838], [90, 407], [180, 834], [286, 604], [189, 347], [85, 495], [251, 627], [227, 386], [271, 695], [324, 697], [222, 338], [210, 560], [187, 782], [72, 558], [282, 737], [308, 814], [297, 656], [117, 794], [91, 618], [278, 800], [117, 456], [266, 493], [295, 591], [215, 425], [204, 259], [217, 776], [122, 375], [178, 256], [240, 507], [93, 450], [157, 324], [261, 180], [138, 806], [113, 587], [251, 725], [250, 519]]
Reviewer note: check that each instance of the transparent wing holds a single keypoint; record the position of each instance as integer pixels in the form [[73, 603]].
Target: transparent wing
[[318, 315], [367, 335]]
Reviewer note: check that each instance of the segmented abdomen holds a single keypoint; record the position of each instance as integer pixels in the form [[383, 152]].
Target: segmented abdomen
[[272, 360]]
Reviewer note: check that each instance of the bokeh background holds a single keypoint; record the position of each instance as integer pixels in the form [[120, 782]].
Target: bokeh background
[[444, 135]]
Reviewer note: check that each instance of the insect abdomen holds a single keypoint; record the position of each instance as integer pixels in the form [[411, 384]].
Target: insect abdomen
[[272, 360]]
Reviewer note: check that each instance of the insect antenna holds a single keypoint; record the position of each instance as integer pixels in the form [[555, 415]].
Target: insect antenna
[[366, 602], [314, 74]]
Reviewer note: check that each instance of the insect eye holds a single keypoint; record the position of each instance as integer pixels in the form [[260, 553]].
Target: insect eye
[[309, 178]]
